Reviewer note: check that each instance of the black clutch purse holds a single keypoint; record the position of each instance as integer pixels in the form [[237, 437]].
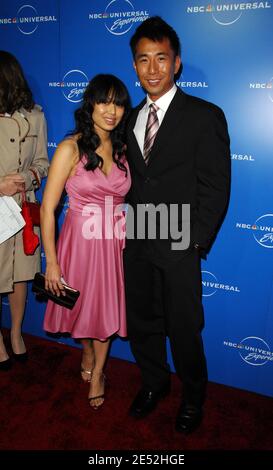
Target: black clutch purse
[[68, 300]]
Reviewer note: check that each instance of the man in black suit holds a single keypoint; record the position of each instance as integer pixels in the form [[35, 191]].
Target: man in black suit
[[188, 165]]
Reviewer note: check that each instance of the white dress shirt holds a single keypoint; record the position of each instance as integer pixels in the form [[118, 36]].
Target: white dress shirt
[[163, 103]]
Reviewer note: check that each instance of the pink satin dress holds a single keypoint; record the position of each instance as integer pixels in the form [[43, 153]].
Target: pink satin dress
[[89, 252]]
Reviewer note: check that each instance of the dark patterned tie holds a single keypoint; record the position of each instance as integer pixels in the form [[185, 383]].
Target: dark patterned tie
[[151, 131]]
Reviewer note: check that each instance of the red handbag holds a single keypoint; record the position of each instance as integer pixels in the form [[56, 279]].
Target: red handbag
[[30, 239], [34, 209]]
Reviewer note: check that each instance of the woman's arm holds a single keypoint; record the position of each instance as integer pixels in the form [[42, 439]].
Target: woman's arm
[[63, 163]]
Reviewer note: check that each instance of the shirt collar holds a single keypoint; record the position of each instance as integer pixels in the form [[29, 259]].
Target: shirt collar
[[164, 101]]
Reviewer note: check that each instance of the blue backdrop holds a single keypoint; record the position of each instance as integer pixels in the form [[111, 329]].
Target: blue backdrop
[[227, 57]]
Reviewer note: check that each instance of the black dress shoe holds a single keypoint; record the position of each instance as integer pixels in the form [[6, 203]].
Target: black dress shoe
[[5, 365], [188, 419], [22, 357], [145, 401]]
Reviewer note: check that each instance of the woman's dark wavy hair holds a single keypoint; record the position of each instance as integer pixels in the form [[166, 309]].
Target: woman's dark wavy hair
[[14, 90], [103, 88]]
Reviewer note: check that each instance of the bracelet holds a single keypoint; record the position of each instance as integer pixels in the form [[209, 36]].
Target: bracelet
[[35, 181]]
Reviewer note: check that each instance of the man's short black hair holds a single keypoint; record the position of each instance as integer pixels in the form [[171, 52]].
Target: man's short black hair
[[156, 29]]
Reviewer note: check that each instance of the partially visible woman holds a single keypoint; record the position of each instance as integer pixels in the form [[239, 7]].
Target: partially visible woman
[[23, 162], [91, 166]]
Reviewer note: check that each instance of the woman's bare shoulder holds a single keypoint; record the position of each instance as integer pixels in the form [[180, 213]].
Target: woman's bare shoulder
[[69, 146]]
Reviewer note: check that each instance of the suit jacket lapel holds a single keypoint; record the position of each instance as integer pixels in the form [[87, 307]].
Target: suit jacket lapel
[[135, 152], [168, 125]]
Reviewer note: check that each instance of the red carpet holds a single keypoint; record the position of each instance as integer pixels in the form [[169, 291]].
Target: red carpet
[[43, 405]]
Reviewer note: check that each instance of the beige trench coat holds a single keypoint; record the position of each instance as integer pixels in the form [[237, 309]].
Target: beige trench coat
[[23, 145]]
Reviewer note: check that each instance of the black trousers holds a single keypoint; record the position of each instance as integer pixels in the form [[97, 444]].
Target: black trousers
[[166, 301]]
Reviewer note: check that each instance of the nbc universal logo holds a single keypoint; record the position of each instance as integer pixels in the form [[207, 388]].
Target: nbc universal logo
[[253, 350], [265, 86], [262, 230], [242, 157], [211, 285], [27, 19], [227, 12], [72, 85], [52, 145], [191, 84], [119, 16], [185, 83]]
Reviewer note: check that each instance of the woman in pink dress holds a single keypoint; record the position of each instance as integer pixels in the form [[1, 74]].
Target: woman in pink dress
[[91, 166]]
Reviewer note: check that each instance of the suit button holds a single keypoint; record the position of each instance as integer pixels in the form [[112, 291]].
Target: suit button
[[147, 180], [23, 140], [12, 140]]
